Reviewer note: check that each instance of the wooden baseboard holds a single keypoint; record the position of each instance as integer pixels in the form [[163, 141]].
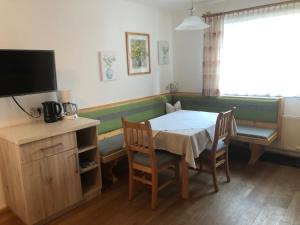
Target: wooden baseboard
[[285, 152]]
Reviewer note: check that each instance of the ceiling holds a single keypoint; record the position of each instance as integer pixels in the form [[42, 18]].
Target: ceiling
[[175, 4]]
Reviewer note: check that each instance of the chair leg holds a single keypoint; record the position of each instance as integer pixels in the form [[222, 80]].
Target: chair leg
[[177, 177], [200, 164], [214, 175], [154, 190], [227, 166], [131, 184]]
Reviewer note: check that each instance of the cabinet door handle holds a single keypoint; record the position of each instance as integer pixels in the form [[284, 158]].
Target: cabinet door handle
[[76, 162], [50, 147]]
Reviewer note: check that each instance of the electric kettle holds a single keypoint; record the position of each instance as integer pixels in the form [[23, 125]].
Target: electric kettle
[[52, 111], [70, 110]]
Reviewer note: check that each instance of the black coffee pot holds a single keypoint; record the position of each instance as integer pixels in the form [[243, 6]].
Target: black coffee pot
[[52, 111]]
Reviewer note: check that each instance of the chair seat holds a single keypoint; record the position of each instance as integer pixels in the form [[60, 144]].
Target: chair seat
[[221, 146], [163, 157]]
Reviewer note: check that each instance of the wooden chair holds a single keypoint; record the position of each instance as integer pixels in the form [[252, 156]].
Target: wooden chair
[[144, 161], [217, 154]]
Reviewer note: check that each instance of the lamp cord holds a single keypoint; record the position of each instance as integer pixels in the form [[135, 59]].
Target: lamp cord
[[192, 10], [29, 114]]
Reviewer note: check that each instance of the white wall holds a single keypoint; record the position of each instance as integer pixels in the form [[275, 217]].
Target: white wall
[[77, 30], [188, 55]]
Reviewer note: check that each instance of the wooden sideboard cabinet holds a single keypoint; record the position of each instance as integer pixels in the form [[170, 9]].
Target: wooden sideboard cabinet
[[48, 169]]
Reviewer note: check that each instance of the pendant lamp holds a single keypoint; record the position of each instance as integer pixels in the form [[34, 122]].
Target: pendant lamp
[[192, 22]]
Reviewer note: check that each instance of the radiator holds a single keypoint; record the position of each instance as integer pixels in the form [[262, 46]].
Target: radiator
[[290, 139]]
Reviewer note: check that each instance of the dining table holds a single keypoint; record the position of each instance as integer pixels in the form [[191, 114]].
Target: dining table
[[186, 133]]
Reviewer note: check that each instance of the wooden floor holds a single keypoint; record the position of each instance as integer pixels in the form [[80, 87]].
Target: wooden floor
[[261, 194]]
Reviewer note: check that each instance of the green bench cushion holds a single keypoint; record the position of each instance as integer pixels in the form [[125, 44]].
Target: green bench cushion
[[254, 109], [111, 145], [162, 157], [137, 112], [255, 132]]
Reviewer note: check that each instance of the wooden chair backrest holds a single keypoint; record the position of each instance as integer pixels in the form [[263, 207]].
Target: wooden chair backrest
[[223, 128], [138, 138]]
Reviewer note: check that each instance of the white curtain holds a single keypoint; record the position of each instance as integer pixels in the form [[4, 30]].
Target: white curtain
[[261, 52]]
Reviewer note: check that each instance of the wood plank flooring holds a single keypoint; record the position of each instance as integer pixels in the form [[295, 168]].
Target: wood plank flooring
[[263, 194]]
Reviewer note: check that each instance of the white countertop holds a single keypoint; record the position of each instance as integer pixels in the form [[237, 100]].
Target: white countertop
[[30, 132]]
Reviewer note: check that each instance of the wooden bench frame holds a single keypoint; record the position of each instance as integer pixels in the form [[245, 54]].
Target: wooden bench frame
[[110, 161], [257, 145]]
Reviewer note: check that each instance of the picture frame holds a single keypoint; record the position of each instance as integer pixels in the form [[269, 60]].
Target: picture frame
[[138, 53], [163, 53], [108, 65]]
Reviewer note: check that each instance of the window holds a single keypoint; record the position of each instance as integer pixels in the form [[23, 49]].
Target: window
[[261, 56]]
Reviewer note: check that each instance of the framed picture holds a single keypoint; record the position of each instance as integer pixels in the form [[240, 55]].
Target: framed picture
[[108, 65], [163, 53], [138, 53]]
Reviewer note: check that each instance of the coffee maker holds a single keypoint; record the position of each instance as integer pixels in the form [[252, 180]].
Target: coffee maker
[[52, 111], [70, 109]]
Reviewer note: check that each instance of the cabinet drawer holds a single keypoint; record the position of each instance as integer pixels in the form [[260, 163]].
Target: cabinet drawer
[[46, 147]]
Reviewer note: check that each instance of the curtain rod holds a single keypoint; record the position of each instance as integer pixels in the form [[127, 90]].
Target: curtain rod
[[208, 14]]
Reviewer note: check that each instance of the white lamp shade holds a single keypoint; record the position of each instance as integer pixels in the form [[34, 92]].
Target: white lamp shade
[[64, 96], [192, 23]]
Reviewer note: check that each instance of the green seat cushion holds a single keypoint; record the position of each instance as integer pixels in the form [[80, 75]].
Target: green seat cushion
[[111, 145], [163, 157], [255, 132]]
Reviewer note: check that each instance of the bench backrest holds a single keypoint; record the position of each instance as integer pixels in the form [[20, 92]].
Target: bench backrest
[[248, 108], [251, 111], [136, 111]]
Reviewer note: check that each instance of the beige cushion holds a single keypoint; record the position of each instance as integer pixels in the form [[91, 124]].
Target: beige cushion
[[170, 108]]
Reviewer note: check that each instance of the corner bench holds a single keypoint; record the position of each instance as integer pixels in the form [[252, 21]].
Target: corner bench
[[110, 132], [259, 120]]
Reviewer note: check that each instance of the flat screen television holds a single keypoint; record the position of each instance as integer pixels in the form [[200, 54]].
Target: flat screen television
[[27, 72]]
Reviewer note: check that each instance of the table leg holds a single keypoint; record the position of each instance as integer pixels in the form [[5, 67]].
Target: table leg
[[185, 178]]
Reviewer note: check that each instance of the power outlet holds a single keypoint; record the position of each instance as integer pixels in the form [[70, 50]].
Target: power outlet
[[35, 111]]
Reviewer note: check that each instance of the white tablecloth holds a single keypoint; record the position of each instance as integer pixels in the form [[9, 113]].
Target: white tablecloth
[[184, 132]]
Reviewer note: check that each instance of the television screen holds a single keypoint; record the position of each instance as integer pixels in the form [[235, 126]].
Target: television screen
[[27, 72]]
